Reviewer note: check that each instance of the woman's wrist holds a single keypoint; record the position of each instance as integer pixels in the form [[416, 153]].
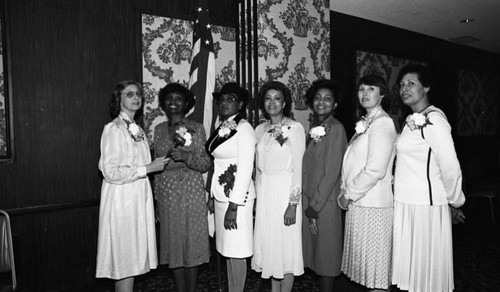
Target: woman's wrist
[[233, 206]]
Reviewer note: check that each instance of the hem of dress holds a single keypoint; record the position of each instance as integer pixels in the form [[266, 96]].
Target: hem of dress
[[108, 276]]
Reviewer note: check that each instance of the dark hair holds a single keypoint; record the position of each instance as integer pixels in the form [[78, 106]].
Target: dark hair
[[186, 94], [423, 73], [322, 84], [378, 81], [287, 96], [374, 80], [116, 96]]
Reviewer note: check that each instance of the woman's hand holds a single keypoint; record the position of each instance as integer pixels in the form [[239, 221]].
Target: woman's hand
[[157, 165], [313, 227], [179, 155], [457, 215], [210, 205], [290, 215], [230, 217]]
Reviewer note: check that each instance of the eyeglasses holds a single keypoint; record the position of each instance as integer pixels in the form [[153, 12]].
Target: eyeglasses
[[226, 99], [131, 94]]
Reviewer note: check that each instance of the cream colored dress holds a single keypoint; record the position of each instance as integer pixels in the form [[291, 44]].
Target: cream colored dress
[[126, 244], [278, 248]]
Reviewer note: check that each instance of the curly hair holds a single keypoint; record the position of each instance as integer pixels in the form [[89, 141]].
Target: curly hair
[[287, 96], [116, 96], [186, 94], [322, 84]]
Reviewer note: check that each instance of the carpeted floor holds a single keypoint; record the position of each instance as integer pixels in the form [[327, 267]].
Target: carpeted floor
[[476, 263]]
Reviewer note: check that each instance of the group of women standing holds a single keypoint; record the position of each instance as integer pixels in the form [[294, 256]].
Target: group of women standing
[[302, 181]]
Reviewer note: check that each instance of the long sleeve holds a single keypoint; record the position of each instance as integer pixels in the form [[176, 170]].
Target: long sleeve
[[438, 135], [246, 151], [334, 152], [116, 163], [297, 145], [381, 138], [198, 158]]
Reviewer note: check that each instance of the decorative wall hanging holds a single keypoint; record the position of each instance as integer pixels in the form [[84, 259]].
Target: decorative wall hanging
[[166, 58], [6, 121], [287, 41], [478, 103]]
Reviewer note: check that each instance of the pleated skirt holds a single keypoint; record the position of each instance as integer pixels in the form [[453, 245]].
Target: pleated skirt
[[423, 250], [367, 256]]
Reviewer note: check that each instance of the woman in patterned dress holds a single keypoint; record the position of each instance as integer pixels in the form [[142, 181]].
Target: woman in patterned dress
[[179, 189], [321, 173], [232, 146], [280, 147], [427, 191], [126, 244], [367, 191]]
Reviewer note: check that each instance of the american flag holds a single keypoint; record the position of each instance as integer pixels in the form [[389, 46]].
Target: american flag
[[202, 72]]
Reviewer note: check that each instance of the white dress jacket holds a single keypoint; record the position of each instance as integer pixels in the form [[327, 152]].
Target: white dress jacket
[[428, 171], [240, 150], [367, 165]]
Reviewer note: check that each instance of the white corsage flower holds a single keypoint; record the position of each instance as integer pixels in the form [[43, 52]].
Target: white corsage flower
[[317, 133], [184, 133], [417, 121], [135, 131], [361, 126], [226, 128]]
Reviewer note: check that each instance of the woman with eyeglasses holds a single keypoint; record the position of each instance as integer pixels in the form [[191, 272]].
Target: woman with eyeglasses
[[126, 245], [179, 189], [232, 147]]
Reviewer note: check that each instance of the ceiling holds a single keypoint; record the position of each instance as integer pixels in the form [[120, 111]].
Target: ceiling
[[437, 18]]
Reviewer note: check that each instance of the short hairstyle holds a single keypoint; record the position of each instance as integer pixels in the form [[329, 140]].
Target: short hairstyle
[[378, 81], [116, 96], [287, 96], [322, 84], [423, 73], [186, 94], [374, 80]]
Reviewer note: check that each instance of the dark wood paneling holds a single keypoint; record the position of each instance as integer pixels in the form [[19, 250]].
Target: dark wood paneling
[[66, 57]]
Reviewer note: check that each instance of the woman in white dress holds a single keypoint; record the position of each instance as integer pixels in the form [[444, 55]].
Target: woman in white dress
[[367, 190], [427, 188], [232, 147], [126, 244], [280, 147]]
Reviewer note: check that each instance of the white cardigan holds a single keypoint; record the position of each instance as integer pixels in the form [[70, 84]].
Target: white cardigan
[[367, 166]]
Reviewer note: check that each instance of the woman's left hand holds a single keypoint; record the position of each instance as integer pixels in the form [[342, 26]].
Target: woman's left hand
[[290, 215], [230, 217], [179, 155], [313, 227], [457, 215]]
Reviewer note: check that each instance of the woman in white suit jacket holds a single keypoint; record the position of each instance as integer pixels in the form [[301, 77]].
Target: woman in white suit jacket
[[232, 147], [367, 190]]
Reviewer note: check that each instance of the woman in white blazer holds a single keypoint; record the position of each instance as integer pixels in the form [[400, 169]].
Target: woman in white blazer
[[367, 190], [232, 147]]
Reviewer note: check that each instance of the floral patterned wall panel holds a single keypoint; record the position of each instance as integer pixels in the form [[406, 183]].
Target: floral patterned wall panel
[[166, 58], [387, 67], [3, 116], [478, 103], [294, 46]]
